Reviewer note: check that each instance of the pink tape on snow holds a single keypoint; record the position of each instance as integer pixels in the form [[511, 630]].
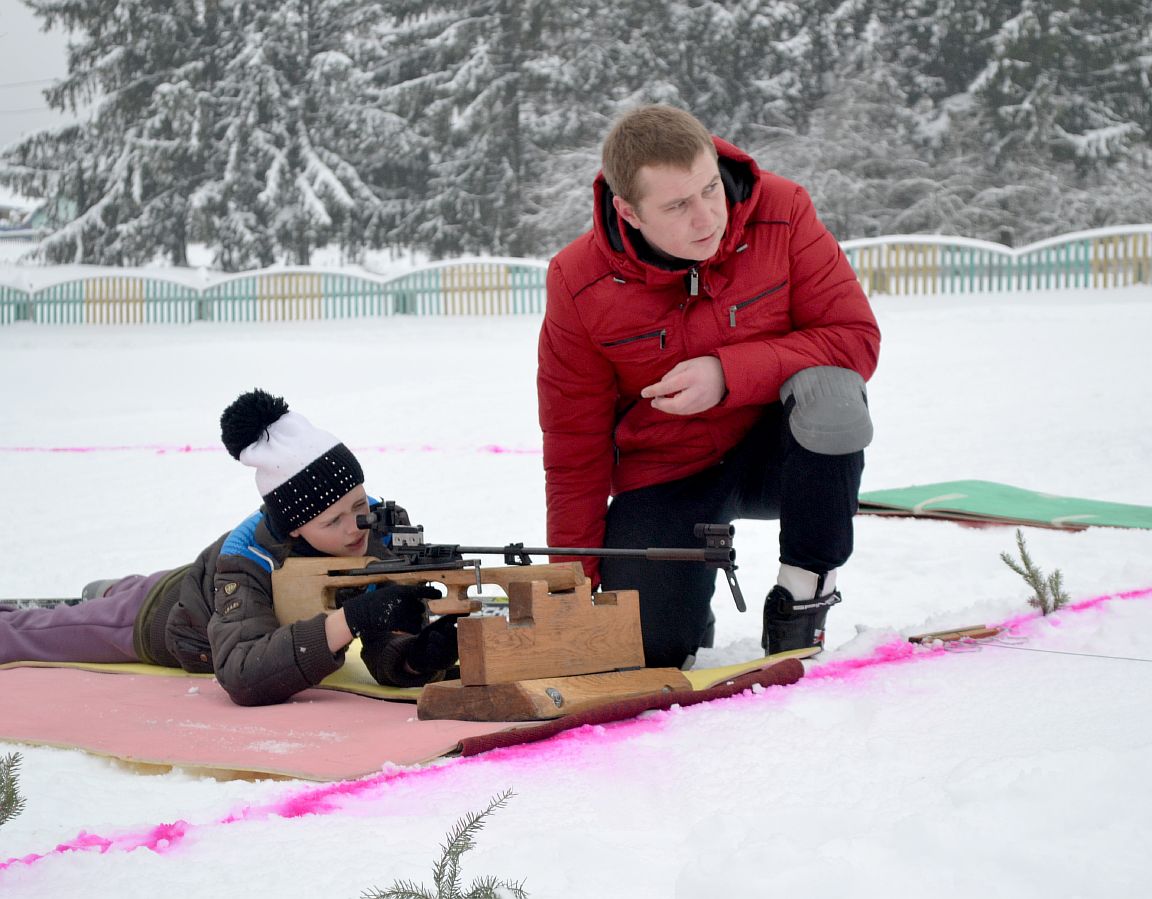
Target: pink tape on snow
[[162, 448], [328, 799]]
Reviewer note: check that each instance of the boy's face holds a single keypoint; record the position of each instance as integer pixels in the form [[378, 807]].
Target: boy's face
[[334, 532], [682, 212]]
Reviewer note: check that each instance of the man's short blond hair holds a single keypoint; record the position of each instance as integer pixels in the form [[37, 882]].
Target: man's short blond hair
[[654, 136]]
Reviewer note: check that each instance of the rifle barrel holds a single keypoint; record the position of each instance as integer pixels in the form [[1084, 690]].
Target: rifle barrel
[[723, 557], [663, 554]]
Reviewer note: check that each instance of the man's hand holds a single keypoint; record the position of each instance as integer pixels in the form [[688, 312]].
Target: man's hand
[[692, 386]]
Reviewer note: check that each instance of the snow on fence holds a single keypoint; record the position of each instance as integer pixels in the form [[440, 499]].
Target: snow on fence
[[904, 264]]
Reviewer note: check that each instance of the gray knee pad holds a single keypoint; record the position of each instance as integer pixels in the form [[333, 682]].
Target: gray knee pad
[[831, 412]]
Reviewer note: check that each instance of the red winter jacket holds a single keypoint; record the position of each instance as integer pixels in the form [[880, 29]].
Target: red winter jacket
[[777, 297]]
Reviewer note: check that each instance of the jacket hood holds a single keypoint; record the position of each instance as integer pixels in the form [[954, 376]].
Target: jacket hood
[[626, 247]]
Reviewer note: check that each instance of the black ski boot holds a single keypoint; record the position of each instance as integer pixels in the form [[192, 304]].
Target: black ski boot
[[794, 624]]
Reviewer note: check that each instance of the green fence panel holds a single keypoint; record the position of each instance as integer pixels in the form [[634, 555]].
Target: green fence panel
[[15, 305], [60, 304]]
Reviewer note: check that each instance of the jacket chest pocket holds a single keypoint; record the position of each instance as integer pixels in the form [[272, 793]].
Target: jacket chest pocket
[[764, 310], [639, 359]]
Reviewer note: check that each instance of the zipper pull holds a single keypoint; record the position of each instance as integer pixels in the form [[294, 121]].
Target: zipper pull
[[663, 334], [693, 282], [732, 316]]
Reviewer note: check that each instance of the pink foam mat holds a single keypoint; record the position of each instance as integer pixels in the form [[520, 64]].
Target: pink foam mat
[[191, 723]]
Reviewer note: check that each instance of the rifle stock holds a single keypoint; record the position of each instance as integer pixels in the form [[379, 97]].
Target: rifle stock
[[304, 587]]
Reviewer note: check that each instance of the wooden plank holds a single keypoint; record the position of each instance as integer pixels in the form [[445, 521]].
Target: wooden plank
[[974, 632], [542, 698], [549, 635]]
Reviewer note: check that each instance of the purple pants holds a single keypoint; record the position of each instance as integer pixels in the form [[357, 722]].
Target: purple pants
[[99, 630]]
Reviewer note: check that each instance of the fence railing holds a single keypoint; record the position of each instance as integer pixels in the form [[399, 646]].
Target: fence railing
[[21, 236], [905, 264], [107, 296], [928, 264]]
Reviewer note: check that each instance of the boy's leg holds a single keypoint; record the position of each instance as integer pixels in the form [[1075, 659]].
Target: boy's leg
[[99, 630]]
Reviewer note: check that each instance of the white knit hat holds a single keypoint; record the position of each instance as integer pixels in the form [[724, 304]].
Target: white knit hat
[[301, 470]]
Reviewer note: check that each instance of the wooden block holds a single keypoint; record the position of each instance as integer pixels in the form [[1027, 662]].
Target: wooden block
[[552, 635], [303, 587], [543, 698]]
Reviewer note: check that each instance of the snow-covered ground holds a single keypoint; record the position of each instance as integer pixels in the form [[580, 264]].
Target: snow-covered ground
[[1002, 772]]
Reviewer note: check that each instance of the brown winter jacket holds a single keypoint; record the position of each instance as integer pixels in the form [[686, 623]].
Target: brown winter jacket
[[216, 615], [777, 297]]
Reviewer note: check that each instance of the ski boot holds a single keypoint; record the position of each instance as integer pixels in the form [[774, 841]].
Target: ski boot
[[790, 623]]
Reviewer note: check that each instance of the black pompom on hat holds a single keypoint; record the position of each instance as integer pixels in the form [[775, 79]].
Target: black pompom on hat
[[301, 470]]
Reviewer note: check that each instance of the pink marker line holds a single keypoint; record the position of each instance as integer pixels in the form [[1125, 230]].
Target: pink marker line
[[162, 448], [901, 651], [330, 798]]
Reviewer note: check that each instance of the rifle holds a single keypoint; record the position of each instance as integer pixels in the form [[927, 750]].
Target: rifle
[[301, 587], [416, 555]]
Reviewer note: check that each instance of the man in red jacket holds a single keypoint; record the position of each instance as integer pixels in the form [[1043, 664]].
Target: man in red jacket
[[703, 358]]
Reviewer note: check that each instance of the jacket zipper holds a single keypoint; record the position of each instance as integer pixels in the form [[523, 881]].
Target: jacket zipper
[[693, 282], [732, 310], [662, 334]]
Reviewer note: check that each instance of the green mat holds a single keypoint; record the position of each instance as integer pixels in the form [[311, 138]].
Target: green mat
[[986, 502]]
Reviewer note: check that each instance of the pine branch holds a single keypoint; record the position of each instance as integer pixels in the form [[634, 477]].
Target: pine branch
[[446, 871], [11, 802], [1047, 593], [401, 889]]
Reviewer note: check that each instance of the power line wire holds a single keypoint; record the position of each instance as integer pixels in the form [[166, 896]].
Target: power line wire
[[1064, 652], [26, 83], [25, 111]]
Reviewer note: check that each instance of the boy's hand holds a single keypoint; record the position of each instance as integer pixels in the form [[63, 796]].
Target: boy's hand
[[388, 608], [435, 648]]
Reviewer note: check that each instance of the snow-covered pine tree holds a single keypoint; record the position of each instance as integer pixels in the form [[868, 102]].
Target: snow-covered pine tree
[[297, 136], [457, 70], [123, 176], [268, 128], [242, 123], [1070, 81]]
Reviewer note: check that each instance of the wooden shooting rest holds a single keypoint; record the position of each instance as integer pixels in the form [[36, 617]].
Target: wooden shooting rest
[[562, 648]]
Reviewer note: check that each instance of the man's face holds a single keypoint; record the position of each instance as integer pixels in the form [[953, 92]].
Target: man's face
[[334, 532], [682, 212]]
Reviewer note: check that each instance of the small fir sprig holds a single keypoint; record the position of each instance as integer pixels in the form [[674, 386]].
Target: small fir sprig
[[446, 871], [1047, 592], [11, 802]]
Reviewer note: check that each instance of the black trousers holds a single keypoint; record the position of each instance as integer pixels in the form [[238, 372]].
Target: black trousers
[[767, 476]]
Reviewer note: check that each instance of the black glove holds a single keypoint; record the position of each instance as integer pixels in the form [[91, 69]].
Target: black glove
[[389, 607], [435, 648]]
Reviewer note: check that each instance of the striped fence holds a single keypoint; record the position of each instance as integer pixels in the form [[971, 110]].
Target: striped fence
[[482, 287], [909, 265], [926, 264]]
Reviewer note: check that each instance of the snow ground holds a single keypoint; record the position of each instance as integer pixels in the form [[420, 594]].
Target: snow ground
[[1003, 772]]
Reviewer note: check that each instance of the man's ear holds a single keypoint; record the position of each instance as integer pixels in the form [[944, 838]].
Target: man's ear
[[626, 211]]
